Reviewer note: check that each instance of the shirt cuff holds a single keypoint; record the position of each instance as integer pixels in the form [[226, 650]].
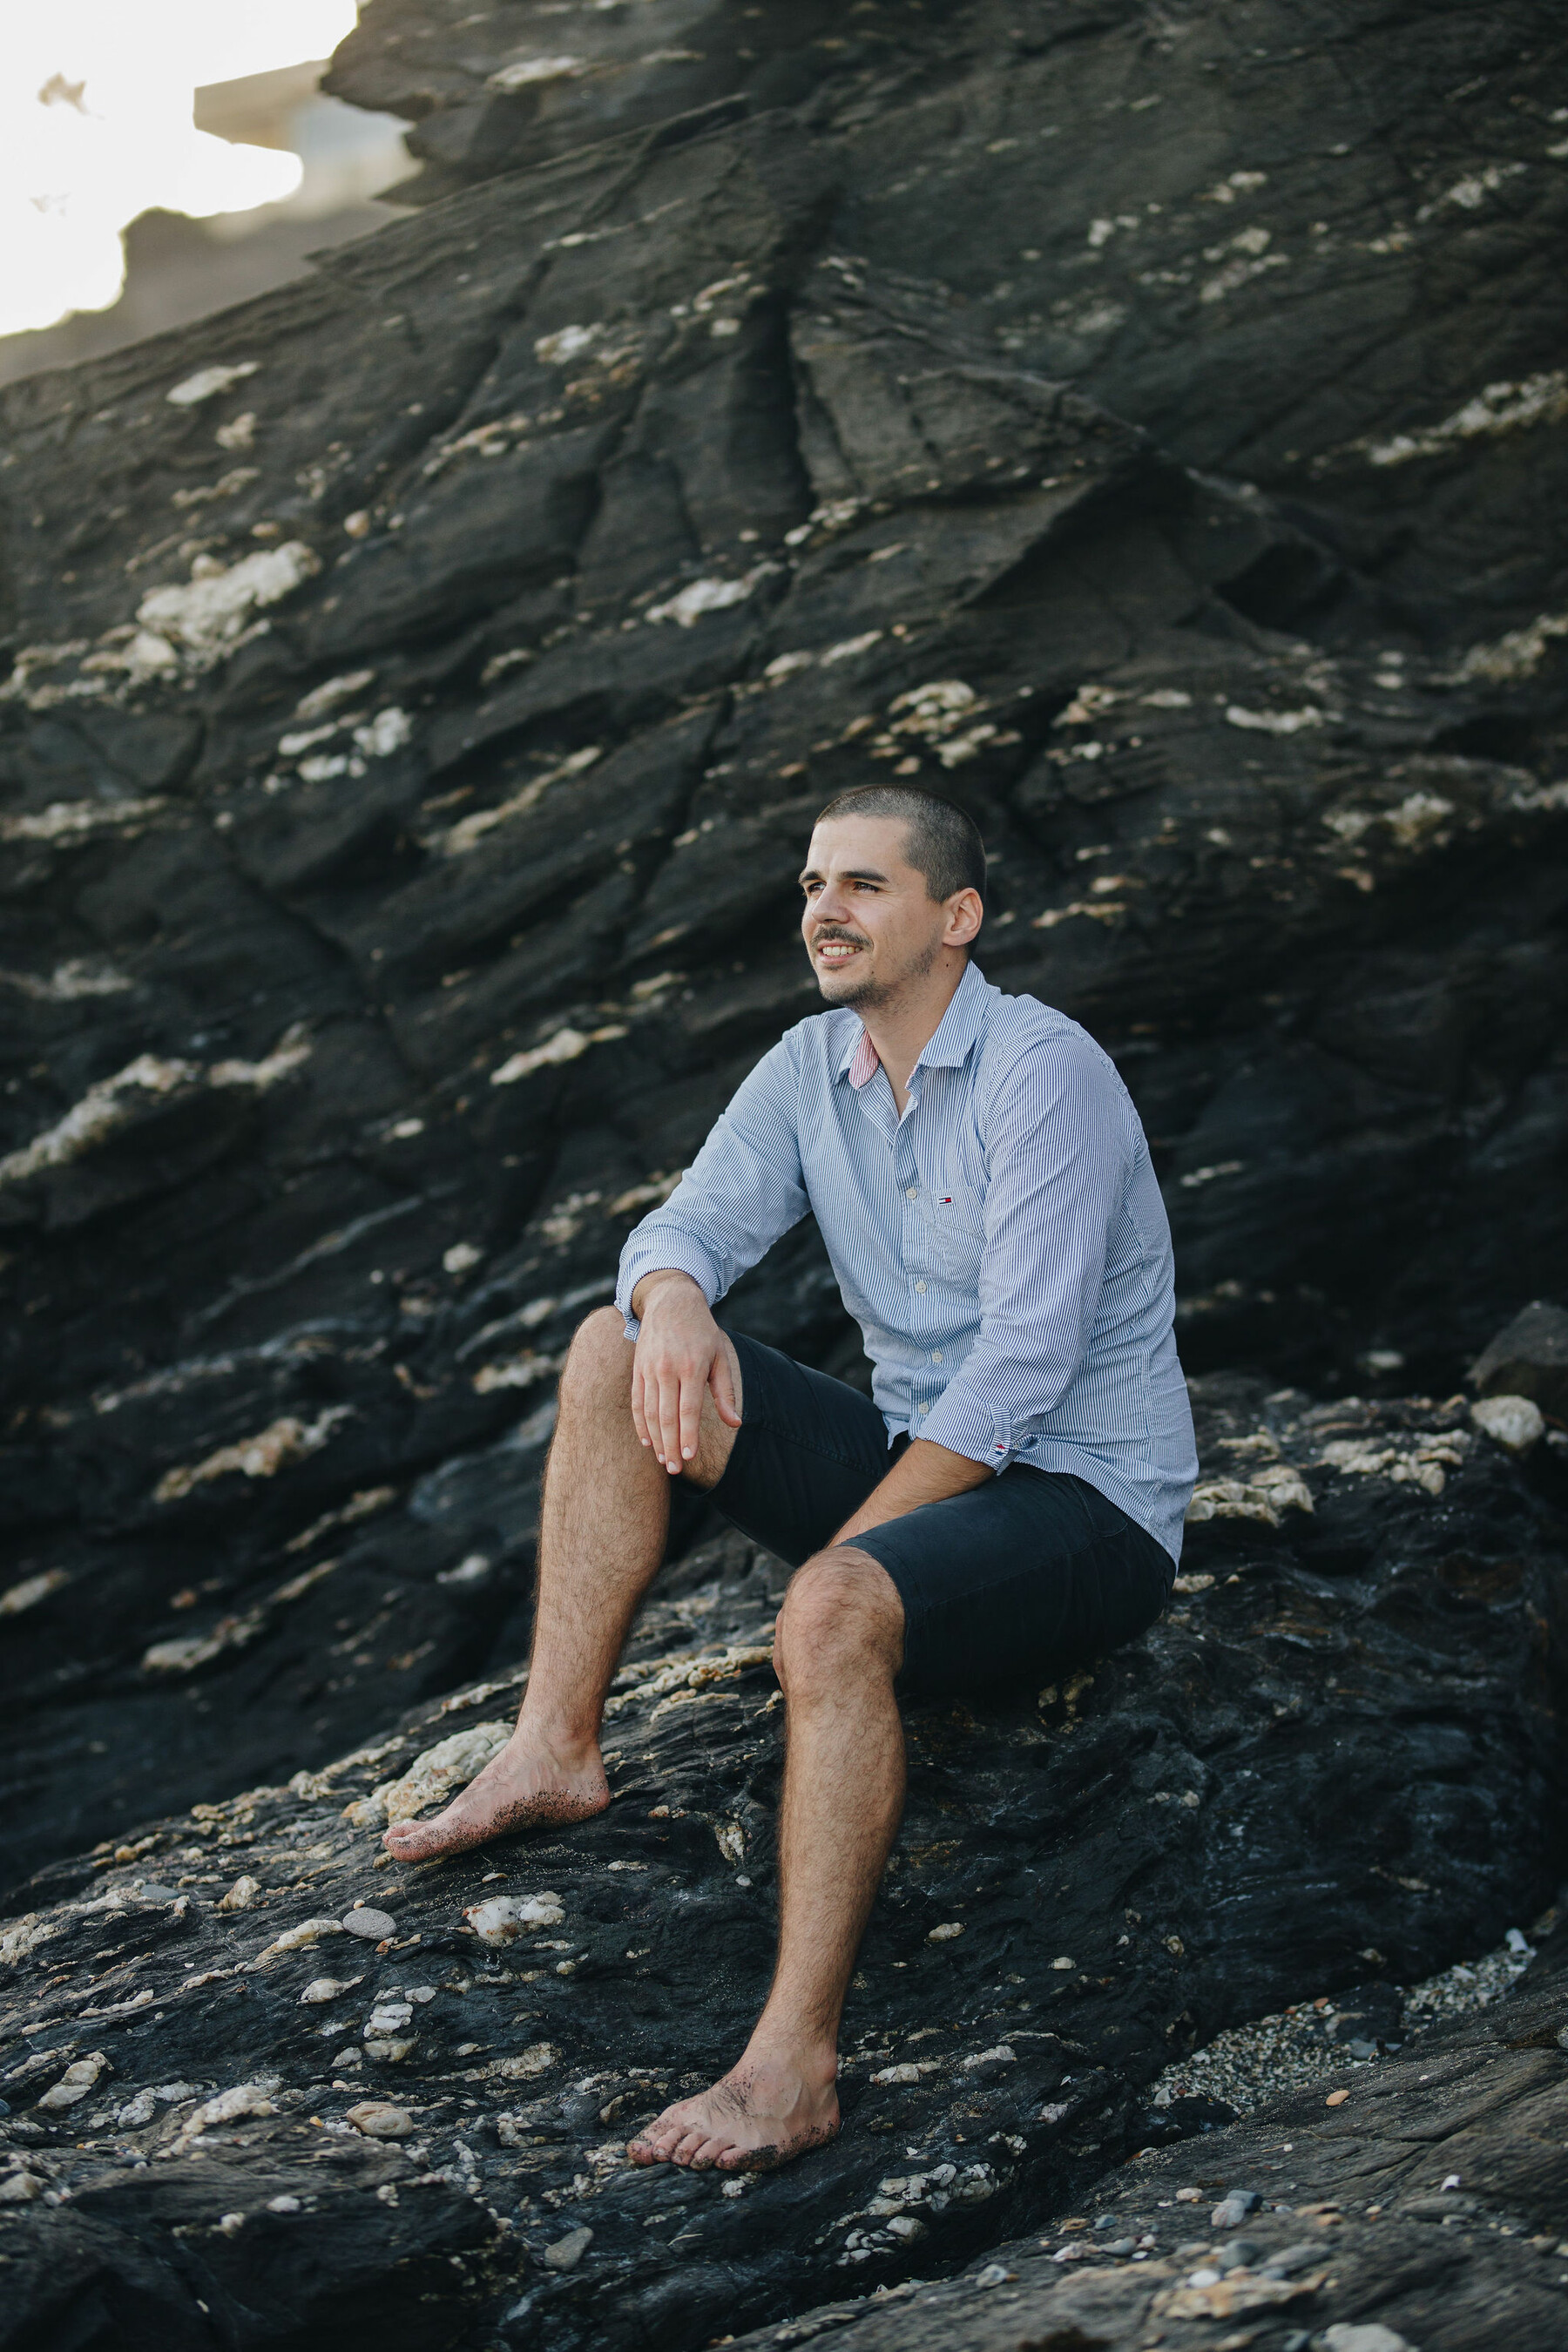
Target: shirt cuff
[[666, 1250], [969, 1423]]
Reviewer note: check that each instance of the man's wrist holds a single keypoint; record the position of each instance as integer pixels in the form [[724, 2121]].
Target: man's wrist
[[655, 1279]]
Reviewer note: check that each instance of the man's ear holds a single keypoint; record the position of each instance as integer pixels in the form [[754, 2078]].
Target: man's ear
[[966, 913]]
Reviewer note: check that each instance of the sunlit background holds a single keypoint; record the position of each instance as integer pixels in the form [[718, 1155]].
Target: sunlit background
[[114, 109]]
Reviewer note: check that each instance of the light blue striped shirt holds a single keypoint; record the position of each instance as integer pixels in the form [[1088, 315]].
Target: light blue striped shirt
[[1003, 1246]]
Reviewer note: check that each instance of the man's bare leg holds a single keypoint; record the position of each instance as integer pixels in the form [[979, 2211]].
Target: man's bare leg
[[603, 1524], [838, 1645]]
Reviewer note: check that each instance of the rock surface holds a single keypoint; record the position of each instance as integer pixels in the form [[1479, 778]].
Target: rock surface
[[423, 678], [1422, 2207], [1310, 1778], [420, 684]]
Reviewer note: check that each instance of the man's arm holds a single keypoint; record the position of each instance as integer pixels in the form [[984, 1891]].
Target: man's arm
[[924, 1474], [1058, 1142], [744, 1189]]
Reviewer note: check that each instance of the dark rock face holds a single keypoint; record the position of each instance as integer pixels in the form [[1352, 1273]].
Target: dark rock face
[[1425, 2208], [1294, 242], [1312, 1773], [423, 682], [1528, 1358]]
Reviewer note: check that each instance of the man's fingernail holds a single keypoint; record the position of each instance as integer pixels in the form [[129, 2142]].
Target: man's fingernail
[[686, 1452]]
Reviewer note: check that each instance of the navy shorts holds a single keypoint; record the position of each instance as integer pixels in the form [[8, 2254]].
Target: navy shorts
[[1016, 1581]]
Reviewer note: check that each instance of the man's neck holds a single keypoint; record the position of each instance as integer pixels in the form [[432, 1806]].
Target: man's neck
[[901, 1028]]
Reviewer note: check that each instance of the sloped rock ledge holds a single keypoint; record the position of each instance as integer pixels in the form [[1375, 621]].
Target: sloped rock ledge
[[1311, 1775], [1422, 2208]]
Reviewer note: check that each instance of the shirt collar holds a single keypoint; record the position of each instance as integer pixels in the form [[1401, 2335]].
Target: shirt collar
[[947, 1047]]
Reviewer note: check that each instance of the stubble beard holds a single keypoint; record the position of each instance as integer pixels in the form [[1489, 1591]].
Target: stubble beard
[[869, 994]]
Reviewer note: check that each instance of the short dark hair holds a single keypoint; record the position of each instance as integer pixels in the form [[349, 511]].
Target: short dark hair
[[942, 844]]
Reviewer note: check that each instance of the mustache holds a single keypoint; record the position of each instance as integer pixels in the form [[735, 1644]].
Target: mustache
[[853, 939]]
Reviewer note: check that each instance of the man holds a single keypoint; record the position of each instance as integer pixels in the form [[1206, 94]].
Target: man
[[1010, 1504]]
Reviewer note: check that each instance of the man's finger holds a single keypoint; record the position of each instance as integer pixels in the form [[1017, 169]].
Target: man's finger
[[691, 1395], [640, 1419], [723, 1388], [669, 1421]]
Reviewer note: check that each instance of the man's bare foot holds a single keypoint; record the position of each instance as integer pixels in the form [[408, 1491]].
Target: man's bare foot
[[763, 2113], [522, 1787]]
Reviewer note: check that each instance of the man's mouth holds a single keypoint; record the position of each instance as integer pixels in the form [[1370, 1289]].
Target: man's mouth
[[837, 950]]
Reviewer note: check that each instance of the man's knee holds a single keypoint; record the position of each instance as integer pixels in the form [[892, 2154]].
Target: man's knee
[[599, 1360], [842, 1614]]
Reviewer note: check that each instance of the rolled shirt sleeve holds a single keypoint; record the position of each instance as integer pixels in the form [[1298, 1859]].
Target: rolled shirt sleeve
[[743, 1191], [1058, 1147]]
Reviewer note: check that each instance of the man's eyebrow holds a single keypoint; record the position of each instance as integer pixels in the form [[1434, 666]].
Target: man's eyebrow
[[851, 873]]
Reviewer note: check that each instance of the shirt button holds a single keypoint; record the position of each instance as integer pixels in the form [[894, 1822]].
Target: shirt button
[[919, 1285], [936, 1355], [914, 1192]]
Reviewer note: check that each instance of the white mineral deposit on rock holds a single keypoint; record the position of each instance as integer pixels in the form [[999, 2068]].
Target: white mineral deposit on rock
[[388, 2017], [503, 1917], [208, 617], [537, 2059], [286, 1441], [1515, 1423], [245, 2100], [296, 1938], [208, 382], [321, 1989], [76, 2082], [434, 1776], [689, 605], [30, 1589]]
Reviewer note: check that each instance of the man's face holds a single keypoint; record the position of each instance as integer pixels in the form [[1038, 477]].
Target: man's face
[[869, 923]]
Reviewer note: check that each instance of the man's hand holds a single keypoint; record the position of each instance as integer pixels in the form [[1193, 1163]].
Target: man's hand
[[680, 1352]]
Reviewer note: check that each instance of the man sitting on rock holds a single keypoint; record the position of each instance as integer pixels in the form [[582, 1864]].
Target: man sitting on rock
[[1010, 1504]]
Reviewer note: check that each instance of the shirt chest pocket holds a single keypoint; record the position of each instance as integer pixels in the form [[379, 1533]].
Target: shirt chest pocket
[[953, 1233]]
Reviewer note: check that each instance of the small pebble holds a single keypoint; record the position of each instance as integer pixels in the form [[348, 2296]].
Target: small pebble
[[568, 2251], [379, 2119], [372, 1925]]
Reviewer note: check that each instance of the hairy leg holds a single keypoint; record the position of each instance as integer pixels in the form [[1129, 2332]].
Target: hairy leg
[[839, 1644], [604, 1523]]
